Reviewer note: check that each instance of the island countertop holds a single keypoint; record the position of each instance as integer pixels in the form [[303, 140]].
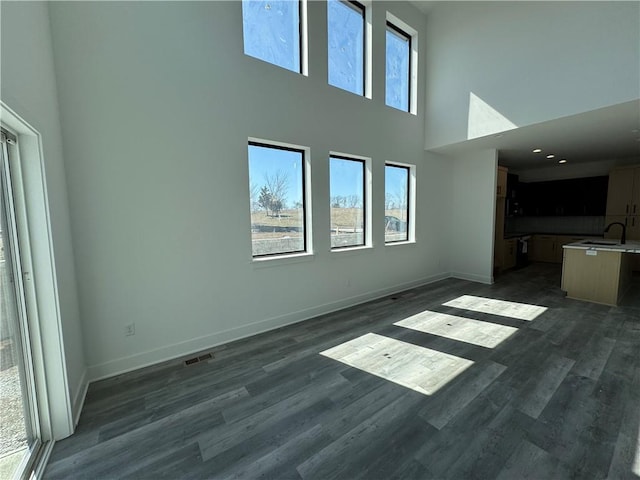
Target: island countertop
[[606, 246]]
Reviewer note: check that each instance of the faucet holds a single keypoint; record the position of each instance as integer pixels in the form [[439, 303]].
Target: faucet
[[624, 231]]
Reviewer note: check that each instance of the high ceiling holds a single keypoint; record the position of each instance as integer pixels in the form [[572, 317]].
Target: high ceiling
[[604, 134], [610, 133]]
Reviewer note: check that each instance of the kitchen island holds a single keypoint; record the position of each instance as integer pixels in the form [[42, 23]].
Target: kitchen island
[[598, 271]]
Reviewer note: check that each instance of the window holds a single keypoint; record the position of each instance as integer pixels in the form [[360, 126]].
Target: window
[[273, 32], [348, 201], [399, 67], [347, 45], [397, 193], [278, 200]]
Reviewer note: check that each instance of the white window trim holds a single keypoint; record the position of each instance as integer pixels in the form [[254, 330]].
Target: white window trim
[[304, 38], [413, 61], [368, 216], [411, 237], [368, 54], [292, 256]]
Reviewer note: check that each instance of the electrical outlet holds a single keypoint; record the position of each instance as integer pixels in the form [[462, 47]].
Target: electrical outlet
[[129, 329]]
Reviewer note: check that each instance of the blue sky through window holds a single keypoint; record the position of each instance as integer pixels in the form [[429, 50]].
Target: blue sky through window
[[347, 180], [396, 184], [397, 70], [266, 162], [346, 46], [271, 31]]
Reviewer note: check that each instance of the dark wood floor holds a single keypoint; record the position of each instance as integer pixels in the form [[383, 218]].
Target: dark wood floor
[[559, 398]]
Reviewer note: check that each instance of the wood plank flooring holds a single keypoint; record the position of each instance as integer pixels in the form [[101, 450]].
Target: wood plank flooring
[[545, 393]]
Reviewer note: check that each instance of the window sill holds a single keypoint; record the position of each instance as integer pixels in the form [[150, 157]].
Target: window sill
[[352, 250], [277, 260], [406, 242]]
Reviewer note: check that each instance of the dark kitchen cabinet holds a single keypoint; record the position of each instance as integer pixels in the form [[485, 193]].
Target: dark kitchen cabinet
[[571, 197]]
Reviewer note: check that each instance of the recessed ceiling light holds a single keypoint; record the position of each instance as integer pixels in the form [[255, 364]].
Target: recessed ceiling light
[[550, 156], [537, 150], [564, 160], [635, 130]]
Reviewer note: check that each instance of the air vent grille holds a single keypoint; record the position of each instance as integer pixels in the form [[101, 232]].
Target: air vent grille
[[202, 358]]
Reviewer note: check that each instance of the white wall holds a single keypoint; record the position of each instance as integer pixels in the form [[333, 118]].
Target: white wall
[[529, 61], [473, 215], [157, 101], [28, 87]]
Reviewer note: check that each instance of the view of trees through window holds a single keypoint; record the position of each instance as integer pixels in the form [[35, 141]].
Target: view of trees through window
[[346, 45], [347, 197], [398, 68], [276, 185], [271, 31], [396, 203]]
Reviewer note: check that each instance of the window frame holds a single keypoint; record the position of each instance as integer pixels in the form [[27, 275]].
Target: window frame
[[366, 200], [306, 197], [401, 33], [402, 29], [411, 191], [303, 42], [363, 9]]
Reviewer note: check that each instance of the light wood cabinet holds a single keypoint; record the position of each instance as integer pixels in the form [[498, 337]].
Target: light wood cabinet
[[623, 205], [562, 240], [632, 223], [499, 242], [623, 195], [543, 248], [615, 232], [548, 248], [510, 251], [501, 189], [633, 227], [635, 198], [596, 276], [633, 233]]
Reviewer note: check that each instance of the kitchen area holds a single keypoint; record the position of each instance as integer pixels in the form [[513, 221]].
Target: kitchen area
[[563, 222]]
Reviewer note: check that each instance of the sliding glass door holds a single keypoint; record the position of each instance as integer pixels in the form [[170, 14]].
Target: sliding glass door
[[19, 432]]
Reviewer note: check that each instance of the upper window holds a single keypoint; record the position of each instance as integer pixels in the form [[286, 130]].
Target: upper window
[[348, 202], [396, 203], [278, 200], [347, 45], [273, 32], [398, 68]]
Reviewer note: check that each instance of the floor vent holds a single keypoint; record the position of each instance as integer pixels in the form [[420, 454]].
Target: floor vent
[[201, 358]]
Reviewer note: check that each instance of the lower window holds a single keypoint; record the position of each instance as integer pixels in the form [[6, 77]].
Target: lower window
[[347, 196], [396, 203], [278, 205]]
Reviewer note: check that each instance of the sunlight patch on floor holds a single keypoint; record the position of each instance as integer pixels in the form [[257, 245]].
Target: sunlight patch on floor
[[476, 332], [418, 368], [503, 308]]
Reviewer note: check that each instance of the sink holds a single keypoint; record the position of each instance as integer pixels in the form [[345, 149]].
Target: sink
[[591, 242]]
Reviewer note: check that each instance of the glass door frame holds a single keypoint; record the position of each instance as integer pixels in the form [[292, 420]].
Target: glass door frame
[[58, 403], [21, 328]]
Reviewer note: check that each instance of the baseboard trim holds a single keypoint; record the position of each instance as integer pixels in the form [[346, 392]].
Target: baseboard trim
[[79, 398], [473, 277], [188, 347]]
